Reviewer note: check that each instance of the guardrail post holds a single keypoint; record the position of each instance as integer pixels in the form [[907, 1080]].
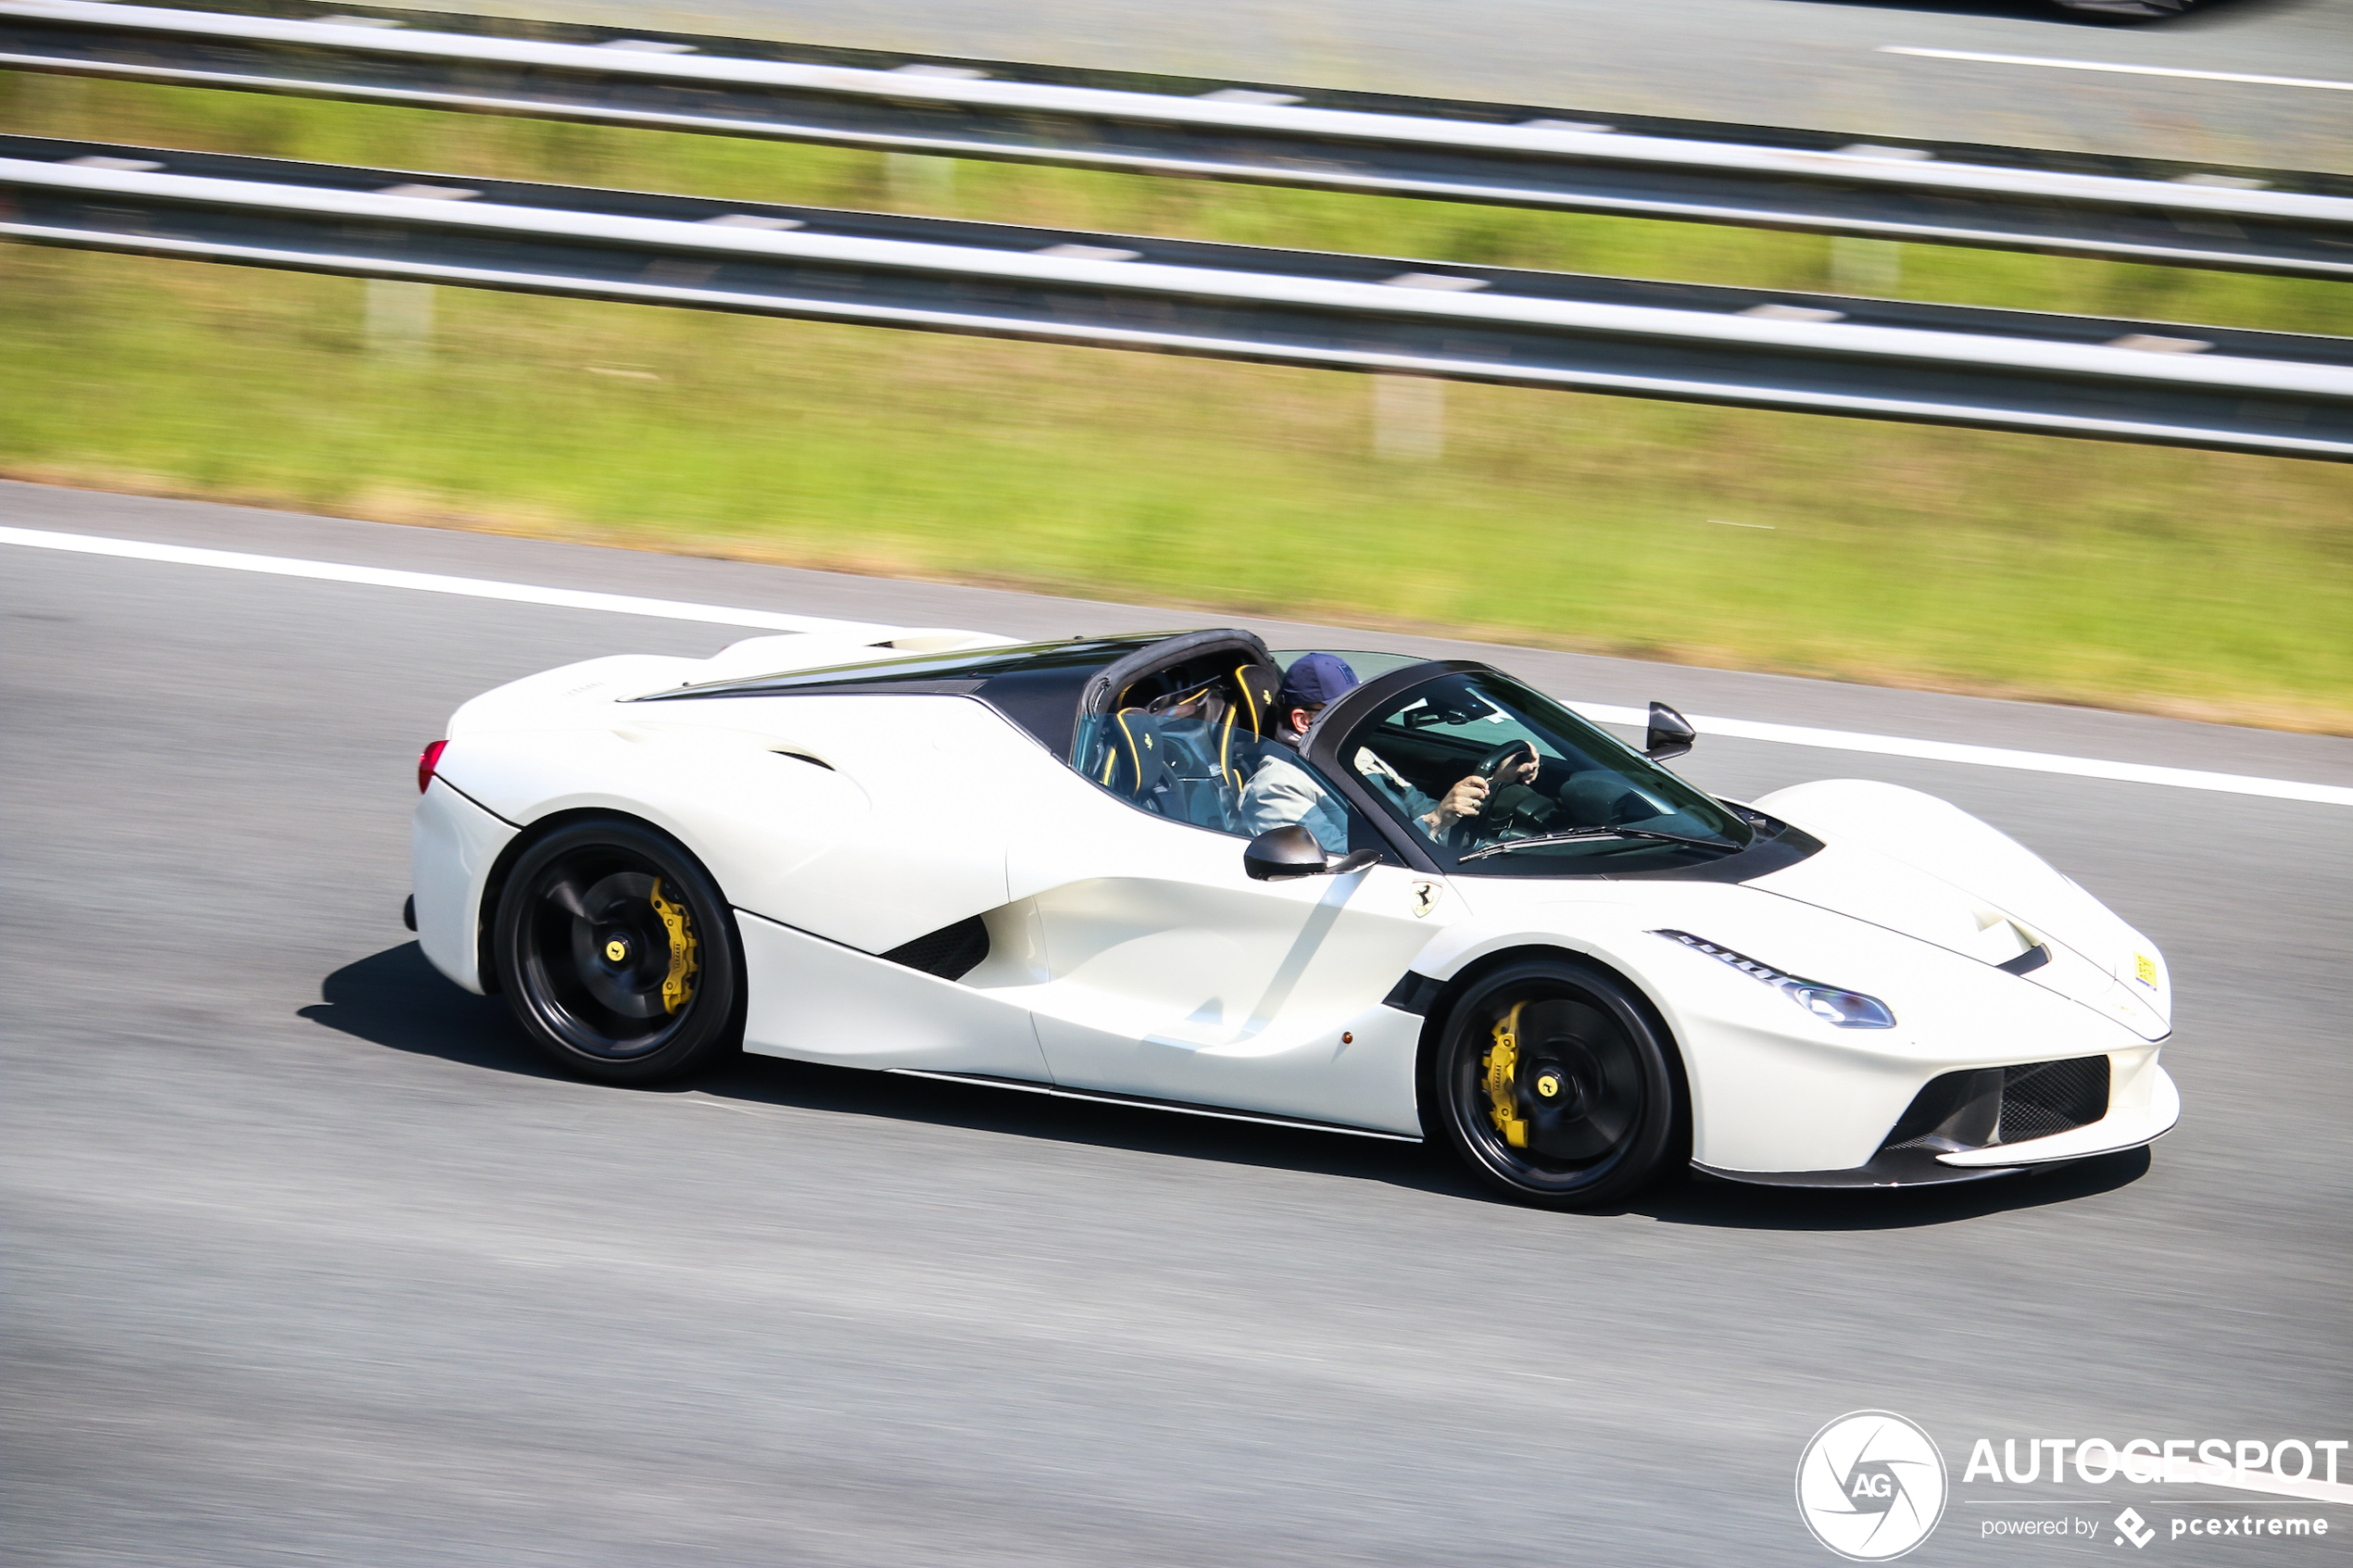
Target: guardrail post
[[1866, 266], [1409, 417], [910, 177], [400, 319]]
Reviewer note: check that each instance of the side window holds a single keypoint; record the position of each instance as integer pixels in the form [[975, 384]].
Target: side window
[[1285, 789], [1187, 754], [1194, 756], [1414, 754]]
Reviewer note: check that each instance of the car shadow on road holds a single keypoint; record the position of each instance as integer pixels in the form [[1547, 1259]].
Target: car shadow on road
[[397, 1001], [2206, 14]]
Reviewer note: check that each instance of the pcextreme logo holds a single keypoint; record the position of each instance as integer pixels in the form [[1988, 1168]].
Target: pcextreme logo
[[1870, 1486]]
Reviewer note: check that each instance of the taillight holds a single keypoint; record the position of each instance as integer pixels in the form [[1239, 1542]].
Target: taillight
[[426, 761]]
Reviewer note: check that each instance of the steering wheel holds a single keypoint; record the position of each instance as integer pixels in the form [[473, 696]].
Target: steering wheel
[[1493, 763], [1489, 823]]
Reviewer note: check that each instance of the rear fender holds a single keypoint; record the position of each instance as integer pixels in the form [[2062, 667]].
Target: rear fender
[[751, 810]]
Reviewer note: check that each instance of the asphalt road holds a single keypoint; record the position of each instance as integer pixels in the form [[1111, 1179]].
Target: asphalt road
[[1813, 63], [312, 1261]]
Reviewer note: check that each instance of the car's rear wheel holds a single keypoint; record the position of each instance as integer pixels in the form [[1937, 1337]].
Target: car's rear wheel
[[1556, 1083], [617, 953]]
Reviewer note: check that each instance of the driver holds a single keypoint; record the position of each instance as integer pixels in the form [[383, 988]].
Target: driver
[[1284, 791]]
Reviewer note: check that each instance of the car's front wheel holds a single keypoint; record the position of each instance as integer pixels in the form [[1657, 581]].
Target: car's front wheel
[[1556, 1084], [617, 952]]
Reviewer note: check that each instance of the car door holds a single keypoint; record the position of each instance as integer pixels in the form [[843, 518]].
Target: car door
[[1169, 974]]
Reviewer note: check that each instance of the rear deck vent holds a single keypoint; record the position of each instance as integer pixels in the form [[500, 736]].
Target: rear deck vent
[[952, 951]]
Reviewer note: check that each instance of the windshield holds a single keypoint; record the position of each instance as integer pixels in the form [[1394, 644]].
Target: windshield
[[1483, 770]]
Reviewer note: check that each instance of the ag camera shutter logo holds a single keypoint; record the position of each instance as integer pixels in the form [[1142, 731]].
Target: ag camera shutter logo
[[1870, 1486]]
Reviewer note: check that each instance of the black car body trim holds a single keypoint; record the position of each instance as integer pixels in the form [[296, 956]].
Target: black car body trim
[[1413, 993], [1144, 1103], [1889, 1168]]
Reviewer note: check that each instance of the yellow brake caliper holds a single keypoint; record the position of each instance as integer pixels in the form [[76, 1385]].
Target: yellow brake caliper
[[678, 985], [1501, 1066]]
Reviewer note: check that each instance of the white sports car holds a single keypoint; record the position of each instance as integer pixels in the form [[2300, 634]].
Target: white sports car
[[1451, 909]]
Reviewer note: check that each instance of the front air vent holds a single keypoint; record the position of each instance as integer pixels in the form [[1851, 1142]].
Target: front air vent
[[2042, 1098], [951, 952], [1997, 1105]]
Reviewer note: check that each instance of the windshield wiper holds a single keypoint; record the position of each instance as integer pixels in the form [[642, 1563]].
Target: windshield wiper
[[1506, 846]]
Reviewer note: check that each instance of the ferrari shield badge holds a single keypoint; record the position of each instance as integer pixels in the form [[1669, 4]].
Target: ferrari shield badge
[[1424, 897]]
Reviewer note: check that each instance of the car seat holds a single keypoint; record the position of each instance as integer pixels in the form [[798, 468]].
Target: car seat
[[1187, 753], [1196, 733], [1168, 765], [1246, 728], [1258, 684], [1135, 763]]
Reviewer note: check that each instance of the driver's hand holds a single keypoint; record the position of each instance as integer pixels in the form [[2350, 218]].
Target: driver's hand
[[1521, 771], [1464, 800]]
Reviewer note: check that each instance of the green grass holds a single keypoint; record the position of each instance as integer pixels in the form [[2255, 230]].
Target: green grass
[[2178, 581]]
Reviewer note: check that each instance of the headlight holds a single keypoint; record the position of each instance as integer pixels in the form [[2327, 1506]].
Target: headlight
[[1847, 1009]]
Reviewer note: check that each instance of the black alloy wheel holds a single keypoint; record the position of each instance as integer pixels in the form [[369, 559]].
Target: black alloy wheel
[[618, 954], [1557, 1084]]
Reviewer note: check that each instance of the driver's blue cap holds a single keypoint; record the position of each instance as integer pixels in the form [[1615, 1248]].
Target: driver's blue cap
[[1315, 680]]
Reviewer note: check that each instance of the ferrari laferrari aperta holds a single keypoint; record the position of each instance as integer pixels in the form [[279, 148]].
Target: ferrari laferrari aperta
[[1101, 868]]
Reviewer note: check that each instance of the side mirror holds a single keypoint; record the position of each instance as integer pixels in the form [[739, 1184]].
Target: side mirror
[[1671, 733], [1283, 853]]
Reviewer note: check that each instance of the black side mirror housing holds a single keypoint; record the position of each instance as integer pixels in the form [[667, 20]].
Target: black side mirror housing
[[1283, 853], [1671, 733]]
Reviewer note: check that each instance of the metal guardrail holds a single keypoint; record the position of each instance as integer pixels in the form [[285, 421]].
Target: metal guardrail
[[2118, 208], [2245, 391]]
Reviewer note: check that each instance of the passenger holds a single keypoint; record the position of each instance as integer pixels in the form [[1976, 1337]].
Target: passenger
[[1283, 790]]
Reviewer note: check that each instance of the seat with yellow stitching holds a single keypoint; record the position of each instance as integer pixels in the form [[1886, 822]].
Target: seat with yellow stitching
[[1170, 757], [1187, 753], [1258, 683], [1137, 764]]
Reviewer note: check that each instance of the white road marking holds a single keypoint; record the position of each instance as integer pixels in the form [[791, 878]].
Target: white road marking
[[1987, 755], [696, 1097], [434, 583], [2310, 1489], [724, 615], [2112, 66]]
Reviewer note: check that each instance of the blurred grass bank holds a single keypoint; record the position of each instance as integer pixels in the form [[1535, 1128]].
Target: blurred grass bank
[[2195, 583]]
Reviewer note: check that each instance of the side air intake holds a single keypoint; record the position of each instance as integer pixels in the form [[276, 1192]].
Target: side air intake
[[951, 952]]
